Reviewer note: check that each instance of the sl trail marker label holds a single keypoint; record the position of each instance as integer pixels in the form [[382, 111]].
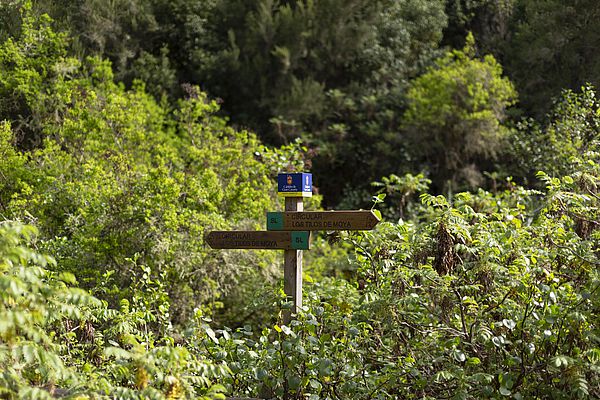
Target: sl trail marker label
[[258, 240], [321, 221], [290, 231]]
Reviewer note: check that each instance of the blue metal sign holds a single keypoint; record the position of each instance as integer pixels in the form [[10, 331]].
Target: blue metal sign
[[294, 184]]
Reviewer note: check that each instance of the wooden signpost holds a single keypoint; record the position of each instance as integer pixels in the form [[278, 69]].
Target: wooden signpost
[[290, 231], [258, 240], [321, 221]]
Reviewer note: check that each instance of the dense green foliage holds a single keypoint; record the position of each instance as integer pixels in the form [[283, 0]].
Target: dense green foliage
[[117, 180], [334, 73], [57, 340], [488, 296], [552, 49], [572, 129], [457, 108], [114, 164]]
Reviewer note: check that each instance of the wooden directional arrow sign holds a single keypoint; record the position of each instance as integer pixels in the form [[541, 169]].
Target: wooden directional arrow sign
[[258, 240], [321, 221]]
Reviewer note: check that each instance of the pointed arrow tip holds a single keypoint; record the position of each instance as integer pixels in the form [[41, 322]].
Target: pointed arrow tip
[[208, 238]]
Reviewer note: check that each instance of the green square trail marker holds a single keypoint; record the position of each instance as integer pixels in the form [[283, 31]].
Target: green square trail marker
[[300, 240], [275, 221], [290, 231]]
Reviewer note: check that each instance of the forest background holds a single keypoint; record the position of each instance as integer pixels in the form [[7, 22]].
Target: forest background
[[130, 128]]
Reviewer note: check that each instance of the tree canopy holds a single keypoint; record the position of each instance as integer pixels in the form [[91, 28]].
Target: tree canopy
[[457, 108]]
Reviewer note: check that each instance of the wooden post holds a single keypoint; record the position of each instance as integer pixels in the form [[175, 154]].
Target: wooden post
[[292, 267]]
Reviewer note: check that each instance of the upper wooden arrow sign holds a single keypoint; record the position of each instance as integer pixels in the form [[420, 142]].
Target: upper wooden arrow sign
[[258, 240], [321, 221]]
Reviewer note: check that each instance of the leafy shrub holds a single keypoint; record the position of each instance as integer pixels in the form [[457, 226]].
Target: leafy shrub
[[487, 296], [455, 114], [570, 131], [114, 176], [57, 340]]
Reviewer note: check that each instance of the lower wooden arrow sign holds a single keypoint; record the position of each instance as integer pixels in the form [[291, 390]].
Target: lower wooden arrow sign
[[321, 220], [258, 240]]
